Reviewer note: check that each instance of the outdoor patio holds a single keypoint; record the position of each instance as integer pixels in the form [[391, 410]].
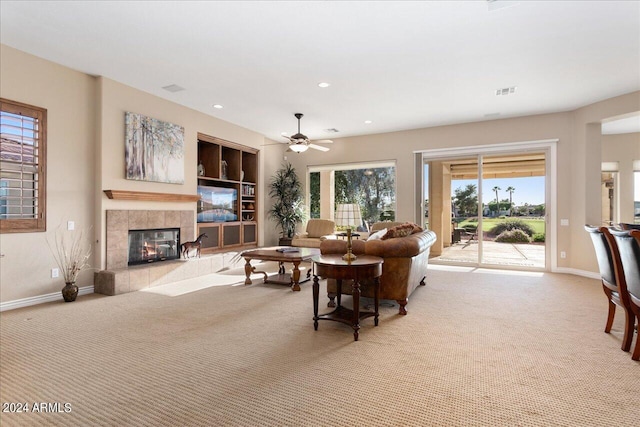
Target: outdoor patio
[[511, 254]]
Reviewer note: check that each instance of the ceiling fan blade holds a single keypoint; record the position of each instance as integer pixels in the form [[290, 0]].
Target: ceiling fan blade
[[318, 147], [324, 141]]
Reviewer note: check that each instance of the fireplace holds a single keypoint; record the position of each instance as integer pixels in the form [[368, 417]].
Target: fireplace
[[152, 245]]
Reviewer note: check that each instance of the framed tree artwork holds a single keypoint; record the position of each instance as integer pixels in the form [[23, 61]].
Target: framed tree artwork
[[154, 150]]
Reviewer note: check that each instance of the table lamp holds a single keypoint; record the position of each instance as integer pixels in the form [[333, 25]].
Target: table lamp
[[348, 215]]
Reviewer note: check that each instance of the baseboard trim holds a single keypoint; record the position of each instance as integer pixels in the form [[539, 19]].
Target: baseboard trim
[[26, 302], [576, 272]]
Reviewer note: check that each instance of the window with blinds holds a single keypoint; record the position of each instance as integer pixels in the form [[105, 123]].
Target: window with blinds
[[22, 167]]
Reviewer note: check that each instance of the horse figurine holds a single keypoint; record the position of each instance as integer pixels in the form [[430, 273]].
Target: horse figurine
[[187, 246]]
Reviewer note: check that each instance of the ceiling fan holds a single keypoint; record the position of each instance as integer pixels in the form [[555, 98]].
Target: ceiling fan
[[300, 143]]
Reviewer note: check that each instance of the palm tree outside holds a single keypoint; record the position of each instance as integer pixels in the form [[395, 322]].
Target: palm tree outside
[[496, 189], [510, 190]]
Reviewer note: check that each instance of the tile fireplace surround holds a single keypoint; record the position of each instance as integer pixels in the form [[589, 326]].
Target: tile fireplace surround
[[119, 278]]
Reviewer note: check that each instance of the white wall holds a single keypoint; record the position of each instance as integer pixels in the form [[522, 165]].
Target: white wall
[[624, 149], [69, 97]]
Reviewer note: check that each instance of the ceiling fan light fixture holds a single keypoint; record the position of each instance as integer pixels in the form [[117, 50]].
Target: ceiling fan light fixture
[[299, 147], [300, 143]]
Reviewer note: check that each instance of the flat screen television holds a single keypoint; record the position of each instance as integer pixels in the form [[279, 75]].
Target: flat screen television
[[217, 204]]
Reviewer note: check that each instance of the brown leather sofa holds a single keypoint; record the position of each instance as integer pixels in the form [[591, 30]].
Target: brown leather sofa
[[404, 269]]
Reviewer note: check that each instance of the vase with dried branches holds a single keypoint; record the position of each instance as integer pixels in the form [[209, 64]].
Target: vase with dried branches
[[72, 252]]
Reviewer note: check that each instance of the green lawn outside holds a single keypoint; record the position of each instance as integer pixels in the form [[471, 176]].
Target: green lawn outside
[[536, 224]]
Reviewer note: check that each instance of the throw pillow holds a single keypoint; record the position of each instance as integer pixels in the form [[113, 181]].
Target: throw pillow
[[416, 228], [377, 235], [398, 231]]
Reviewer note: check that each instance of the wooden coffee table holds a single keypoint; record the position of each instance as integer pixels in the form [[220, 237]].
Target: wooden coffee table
[[282, 278]]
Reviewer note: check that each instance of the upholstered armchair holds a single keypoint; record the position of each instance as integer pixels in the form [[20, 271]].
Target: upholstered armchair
[[317, 230]]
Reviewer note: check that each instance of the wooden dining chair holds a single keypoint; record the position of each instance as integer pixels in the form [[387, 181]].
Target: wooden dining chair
[[629, 247], [629, 226], [613, 280]]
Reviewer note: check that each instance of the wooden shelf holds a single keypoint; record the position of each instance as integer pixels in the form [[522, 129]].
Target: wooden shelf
[[150, 197]]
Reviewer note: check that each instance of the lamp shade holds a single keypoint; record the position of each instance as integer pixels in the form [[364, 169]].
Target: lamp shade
[[348, 215]]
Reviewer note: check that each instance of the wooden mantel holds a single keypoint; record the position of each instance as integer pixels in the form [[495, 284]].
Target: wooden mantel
[[150, 197]]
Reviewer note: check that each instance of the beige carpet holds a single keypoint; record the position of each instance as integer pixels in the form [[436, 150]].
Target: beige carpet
[[478, 348]]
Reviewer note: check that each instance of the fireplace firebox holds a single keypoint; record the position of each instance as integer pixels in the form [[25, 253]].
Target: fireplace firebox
[[153, 245]]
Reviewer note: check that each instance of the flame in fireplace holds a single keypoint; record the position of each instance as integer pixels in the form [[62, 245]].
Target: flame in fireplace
[[148, 250]]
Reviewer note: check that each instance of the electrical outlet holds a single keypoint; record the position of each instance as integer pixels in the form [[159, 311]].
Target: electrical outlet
[[563, 254], [564, 222], [55, 273]]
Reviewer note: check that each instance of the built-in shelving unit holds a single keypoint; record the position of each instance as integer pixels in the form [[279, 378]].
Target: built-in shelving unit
[[227, 184]]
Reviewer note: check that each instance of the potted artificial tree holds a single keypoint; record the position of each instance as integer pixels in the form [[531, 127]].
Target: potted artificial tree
[[287, 209]]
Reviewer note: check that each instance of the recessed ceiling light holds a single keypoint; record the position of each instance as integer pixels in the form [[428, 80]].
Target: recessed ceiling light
[[173, 88], [218, 106], [324, 84], [367, 122]]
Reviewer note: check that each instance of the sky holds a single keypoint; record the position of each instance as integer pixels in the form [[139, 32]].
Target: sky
[[527, 190]]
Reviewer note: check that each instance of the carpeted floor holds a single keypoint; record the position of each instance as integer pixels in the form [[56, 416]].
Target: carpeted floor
[[478, 348]]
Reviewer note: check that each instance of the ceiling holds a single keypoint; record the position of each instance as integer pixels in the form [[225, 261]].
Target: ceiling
[[400, 65]]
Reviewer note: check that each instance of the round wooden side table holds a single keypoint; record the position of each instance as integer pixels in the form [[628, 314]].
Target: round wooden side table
[[334, 267]]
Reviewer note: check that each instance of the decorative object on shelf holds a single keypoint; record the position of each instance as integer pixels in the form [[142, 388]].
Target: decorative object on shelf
[[348, 215], [200, 169], [250, 206], [223, 171], [165, 140], [242, 175], [286, 190], [71, 252]]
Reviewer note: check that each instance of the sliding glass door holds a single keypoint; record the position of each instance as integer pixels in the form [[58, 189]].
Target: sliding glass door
[[489, 209]]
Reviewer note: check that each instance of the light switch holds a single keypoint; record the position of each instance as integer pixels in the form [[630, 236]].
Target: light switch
[[564, 222], [71, 225]]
